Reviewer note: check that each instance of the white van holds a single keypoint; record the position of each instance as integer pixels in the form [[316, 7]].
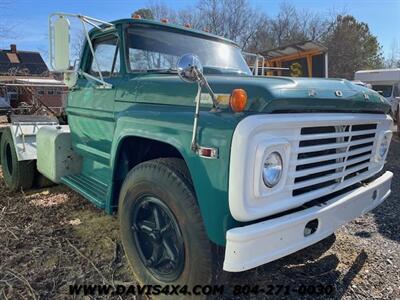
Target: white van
[[385, 81]]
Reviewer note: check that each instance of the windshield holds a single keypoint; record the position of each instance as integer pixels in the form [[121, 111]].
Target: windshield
[[385, 89], [152, 49]]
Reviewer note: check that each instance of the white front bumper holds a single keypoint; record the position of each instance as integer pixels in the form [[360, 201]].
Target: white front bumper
[[253, 245]]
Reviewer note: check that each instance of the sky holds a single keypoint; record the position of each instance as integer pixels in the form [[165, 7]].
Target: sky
[[29, 18]]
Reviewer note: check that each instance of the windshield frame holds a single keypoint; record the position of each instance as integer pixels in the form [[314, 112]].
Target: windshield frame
[[162, 27]]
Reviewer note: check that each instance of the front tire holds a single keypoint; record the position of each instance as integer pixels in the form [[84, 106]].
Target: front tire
[[161, 227], [16, 174]]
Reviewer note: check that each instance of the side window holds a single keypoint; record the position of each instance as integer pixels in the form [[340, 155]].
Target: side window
[[107, 56], [396, 91]]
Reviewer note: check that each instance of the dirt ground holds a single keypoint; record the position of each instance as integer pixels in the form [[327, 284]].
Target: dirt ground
[[52, 238]]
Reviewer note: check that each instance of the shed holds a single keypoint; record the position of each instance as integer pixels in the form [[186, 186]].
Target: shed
[[308, 58]]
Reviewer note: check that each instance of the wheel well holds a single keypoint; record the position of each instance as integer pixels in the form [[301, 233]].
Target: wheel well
[[133, 151]]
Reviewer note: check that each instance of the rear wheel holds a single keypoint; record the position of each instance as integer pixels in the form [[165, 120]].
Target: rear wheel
[[16, 174], [161, 227]]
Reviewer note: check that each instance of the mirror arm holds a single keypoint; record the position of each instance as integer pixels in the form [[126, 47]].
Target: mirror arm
[[206, 152], [91, 23], [194, 146], [203, 82], [91, 48], [83, 20], [104, 84], [190, 70]]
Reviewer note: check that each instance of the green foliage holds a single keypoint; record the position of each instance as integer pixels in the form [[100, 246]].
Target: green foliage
[[352, 47]]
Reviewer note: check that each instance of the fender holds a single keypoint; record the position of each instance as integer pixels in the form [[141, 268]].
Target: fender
[[173, 125]]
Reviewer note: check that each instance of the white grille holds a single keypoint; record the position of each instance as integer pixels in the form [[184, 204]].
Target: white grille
[[330, 155]]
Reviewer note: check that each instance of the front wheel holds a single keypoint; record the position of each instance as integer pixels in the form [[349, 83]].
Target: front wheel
[[161, 228]]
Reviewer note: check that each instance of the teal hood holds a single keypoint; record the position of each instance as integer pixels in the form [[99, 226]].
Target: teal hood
[[288, 94]]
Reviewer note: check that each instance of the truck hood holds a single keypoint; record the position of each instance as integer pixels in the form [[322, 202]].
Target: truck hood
[[288, 94]]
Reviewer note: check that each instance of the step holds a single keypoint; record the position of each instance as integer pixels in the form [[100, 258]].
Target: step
[[90, 188]]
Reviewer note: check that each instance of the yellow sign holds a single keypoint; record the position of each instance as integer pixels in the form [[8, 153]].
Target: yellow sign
[[296, 70]]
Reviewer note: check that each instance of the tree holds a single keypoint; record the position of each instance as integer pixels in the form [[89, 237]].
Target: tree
[[145, 13], [352, 47], [262, 37], [288, 27], [350, 44], [233, 19], [158, 11], [393, 60]]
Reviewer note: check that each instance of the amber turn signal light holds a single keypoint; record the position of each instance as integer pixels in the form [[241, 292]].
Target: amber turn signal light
[[238, 100]]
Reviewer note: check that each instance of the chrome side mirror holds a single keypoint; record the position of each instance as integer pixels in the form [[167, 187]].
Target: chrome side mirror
[[190, 68]]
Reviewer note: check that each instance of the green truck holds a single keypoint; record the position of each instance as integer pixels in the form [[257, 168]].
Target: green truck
[[168, 128]]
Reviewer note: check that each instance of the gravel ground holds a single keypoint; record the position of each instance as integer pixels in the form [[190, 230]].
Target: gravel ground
[[52, 238]]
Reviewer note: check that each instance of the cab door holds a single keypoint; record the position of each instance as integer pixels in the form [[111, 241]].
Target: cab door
[[91, 114]]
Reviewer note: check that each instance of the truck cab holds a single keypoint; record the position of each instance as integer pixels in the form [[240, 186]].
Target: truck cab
[[168, 128]]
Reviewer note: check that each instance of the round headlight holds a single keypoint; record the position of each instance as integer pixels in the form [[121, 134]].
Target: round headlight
[[384, 146], [272, 170]]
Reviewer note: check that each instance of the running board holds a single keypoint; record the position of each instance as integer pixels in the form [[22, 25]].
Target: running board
[[90, 188]]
